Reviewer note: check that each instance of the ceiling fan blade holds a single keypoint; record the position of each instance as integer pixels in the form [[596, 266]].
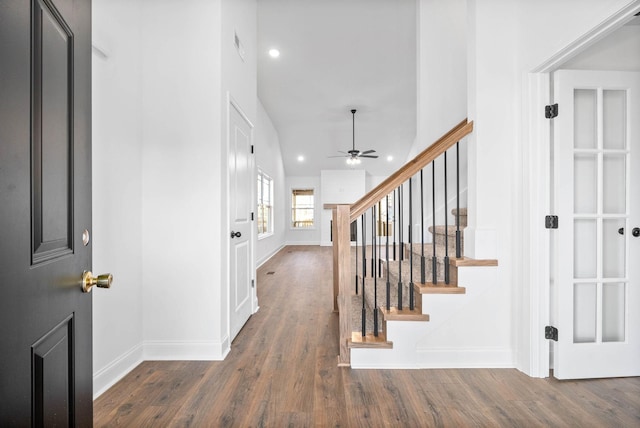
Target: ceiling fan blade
[[369, 156], [366, 152], [340, 156]]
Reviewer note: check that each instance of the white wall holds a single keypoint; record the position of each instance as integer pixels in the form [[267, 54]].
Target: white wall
[[507, 40], [182, 164], [303, 236], [442, 98], [618, 51], [339, 187], [268, 158], [117, 189], [239, 83], [442, 69], [160, 114]]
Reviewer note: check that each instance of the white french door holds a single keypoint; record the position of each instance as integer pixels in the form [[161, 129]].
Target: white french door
[[597, 257]]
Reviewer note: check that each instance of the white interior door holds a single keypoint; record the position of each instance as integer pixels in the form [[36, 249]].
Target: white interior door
[[597, 185], [241, 187]]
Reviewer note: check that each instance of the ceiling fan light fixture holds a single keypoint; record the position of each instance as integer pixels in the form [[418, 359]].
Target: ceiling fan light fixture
[[353, 161], [354, 156]]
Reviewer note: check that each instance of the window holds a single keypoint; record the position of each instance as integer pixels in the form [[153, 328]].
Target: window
[[265, 204], [385, 224], [302, 208]]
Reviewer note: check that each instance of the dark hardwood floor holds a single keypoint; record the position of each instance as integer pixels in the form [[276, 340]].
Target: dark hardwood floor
[[282, 371]]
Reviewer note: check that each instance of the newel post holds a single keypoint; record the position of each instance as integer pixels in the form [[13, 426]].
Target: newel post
[[342, 277]]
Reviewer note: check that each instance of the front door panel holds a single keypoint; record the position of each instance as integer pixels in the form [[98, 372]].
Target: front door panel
[[45, 205]]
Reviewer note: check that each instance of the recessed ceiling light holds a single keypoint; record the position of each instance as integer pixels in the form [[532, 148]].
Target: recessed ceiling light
[[389, 158], [300, 158], [274, 53]]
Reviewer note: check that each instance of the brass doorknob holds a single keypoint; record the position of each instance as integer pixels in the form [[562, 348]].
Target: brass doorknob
[[102, 281]]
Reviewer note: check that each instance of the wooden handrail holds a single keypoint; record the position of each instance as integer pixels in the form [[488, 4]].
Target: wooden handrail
[[411, 168], [345, 214]]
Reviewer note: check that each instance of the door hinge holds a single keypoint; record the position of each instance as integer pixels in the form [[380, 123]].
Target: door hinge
[[551, 111], [251, 216], [252, 148], [253, 284], [551, 222], [550, 332]]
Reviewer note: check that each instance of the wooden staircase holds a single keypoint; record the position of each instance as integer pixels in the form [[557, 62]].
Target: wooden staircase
[[382, 341], [401, 329]]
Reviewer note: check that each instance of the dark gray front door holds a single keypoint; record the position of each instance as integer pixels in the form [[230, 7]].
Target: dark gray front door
[[45, 207]]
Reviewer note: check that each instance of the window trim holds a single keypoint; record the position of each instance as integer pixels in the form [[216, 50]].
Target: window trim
[[271, 224], [315, 208]]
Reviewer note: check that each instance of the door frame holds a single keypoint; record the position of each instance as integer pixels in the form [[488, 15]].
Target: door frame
[[232, 103], [539, 176]]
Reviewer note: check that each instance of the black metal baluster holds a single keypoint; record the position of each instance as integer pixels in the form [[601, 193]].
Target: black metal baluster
[[411, 304], [401, 248], [387, 257], [364, 264], [394, 225], [458, 242], [434, 258], [356, 237], [379, 231], [401, 219], [446, 225], [422, 260], [374, 254]]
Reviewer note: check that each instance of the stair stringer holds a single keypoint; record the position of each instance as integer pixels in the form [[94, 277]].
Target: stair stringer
[[453, 338]]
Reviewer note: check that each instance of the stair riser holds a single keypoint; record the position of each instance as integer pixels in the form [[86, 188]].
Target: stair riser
[[406, 274], [356, 316], [382, 298], [440, 242]]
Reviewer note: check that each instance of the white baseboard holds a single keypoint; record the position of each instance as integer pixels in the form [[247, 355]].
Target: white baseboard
[[268, 256], [106, 377], [186, 351], [432, 359], [302, 243]]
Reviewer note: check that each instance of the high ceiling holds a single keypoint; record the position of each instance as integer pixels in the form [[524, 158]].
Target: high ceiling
[[336, 55]]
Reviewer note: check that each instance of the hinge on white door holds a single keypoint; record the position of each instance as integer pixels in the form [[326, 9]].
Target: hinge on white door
[[551, 222], [551, 111], [251, 216], [252, 148], [253, 283], [550, 332]]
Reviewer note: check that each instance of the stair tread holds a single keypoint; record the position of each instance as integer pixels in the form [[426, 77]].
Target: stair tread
[[463, 211], [467, 261], [395, 314], [369, 341], [440, 288]]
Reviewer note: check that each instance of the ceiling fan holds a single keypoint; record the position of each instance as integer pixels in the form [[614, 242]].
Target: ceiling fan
[[353, 156]]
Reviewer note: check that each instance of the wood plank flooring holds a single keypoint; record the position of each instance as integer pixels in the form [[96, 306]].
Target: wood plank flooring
[[282, 371]]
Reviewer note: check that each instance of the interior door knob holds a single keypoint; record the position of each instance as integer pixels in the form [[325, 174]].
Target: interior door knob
[[621, 231], [636, 231], [235, 234], [102, 281]]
